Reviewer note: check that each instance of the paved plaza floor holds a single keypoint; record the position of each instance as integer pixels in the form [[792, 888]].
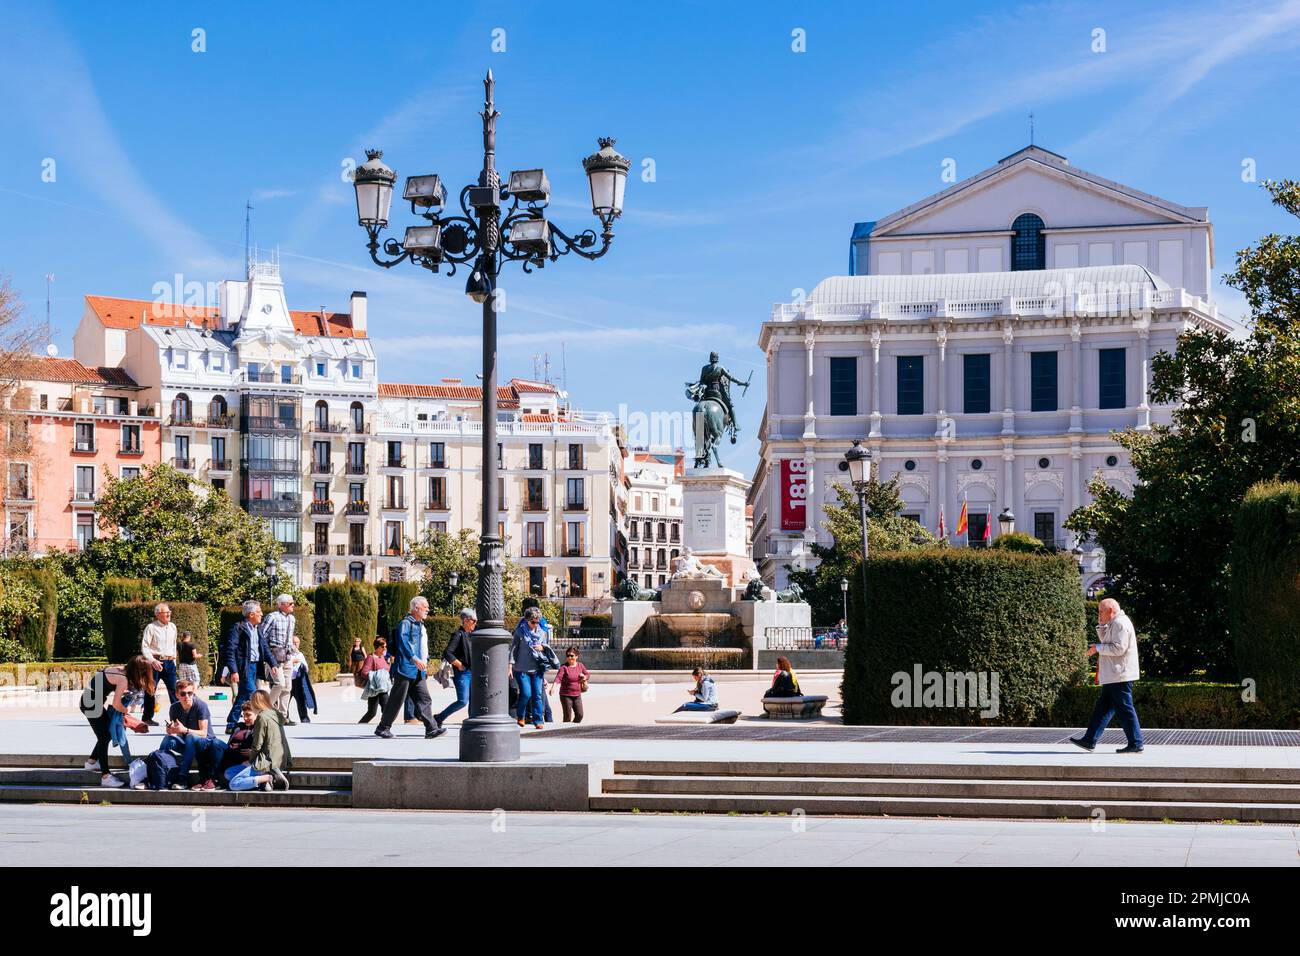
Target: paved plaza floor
[[80, 835]]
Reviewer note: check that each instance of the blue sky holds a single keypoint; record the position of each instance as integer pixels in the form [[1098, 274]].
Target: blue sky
[[763, 157]]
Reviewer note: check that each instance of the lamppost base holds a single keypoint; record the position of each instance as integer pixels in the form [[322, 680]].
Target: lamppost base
[[492, 738]]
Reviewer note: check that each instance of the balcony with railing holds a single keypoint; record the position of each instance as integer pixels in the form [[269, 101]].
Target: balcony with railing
[[286, 466], [394, 503], [84, 446], [575, 504], [321, 550], [534, 552], [436, 463], [322, 506], [575, 551], [436, 504], [270, 377], [183, 464], [533, 503], [322, 467], [84, 496], [358, 550], [390, 461], [269, 423], [285, 504], [290, 547], [328, 427], [220, 464], [355, 468], [357, 508], [132, 448]]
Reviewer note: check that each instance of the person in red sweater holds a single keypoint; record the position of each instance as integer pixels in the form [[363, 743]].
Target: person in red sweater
[[572, 679]]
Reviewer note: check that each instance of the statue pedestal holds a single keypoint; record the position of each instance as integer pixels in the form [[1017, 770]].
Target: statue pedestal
[[713, 511]]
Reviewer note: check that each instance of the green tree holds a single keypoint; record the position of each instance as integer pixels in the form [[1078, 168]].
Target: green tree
[[440, 553], [1167, 546], [888, 531]]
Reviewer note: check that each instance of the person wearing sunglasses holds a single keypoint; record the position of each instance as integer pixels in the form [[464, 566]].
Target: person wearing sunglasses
[[189, 732]]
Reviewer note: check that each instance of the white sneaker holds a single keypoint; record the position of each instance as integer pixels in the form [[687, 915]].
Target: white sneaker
[[140, 786], [91, 764], [111, 781]]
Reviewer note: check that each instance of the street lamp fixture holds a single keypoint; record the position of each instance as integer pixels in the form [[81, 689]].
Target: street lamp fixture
[[858, 460], [453, 579], [271, 565], [844, 595], [1006, 521], [482, 236], [1077, 552]]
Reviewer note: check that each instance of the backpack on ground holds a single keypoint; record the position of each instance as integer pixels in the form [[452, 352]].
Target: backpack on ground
[[163, 769]]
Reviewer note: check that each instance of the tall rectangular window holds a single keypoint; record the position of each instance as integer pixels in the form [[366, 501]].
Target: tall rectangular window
[[438, 493], [1042, 382], [975, 384], [575, 494], [535, 539], [437, 454], [911, 385], [534, 456], [844, 385], [1111, 384], [976, 523], [1045, 527]]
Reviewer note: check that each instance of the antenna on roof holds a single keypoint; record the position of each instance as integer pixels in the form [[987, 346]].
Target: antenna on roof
[[49, 280], [1031, 127], [564, 369], [248, 235]]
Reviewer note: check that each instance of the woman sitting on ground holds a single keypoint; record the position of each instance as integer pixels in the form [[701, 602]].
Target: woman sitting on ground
[[135, 676], [785, 683], [704, 695], [268, 756]]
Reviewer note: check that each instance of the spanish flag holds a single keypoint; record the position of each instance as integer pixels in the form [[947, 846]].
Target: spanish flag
[[961, 519], [943, 532]]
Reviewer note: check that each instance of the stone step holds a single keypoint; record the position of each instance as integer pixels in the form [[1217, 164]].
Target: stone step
[[211, 798], [76, 777], [1132, 770], [115, 761], [1090, 791], [943, 807]]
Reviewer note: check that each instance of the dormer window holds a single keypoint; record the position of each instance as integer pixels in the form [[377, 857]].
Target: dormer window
[[356, 369], [180, 358], [217, 362], [320, 370]]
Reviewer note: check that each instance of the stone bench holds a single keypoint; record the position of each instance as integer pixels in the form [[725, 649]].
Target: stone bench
[[807, 707], [701, 717]]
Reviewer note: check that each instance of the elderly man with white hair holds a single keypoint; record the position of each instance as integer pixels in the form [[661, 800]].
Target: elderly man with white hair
[[278, 628], [245, 654], [1117, 669], [410, 652], [158, 647]]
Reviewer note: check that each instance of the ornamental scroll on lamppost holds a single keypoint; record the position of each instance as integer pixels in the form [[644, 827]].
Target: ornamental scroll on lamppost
[[498, 224]]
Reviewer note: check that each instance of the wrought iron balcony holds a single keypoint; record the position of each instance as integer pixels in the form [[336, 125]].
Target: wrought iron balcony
[[220, 464], [184, 464], [288, 466], [269, 423], [357, 508], [130, 448], [286, 504], [355, 468], [322, 507]]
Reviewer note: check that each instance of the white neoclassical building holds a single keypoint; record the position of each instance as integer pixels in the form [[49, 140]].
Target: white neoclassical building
[[986, 344]]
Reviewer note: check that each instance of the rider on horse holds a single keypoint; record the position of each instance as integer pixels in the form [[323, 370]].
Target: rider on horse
[[715, 382]]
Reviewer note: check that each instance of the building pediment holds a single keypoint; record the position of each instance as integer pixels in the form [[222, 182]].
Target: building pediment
[[1038, 181]]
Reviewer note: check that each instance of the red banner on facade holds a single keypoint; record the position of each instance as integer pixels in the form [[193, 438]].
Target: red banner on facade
[[794, 494]]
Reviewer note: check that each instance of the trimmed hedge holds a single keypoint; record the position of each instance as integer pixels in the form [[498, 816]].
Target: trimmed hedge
[[957, 611], [122, 591], [36, 633], [345, 610], [1172, 705], [1264, 595], [394, 602], [1020, 541], [440, 628], [304, 629], [127, 621], [597, 623]]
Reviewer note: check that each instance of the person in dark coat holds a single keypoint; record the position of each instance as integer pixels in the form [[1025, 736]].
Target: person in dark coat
[[303, 691], [246, 652]]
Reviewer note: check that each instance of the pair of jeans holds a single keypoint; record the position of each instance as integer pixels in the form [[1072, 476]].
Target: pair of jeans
[[531, 706], [462, 681], [101, 724], [1117, 697], [242, 777], [418, 691], [192, 748], [695, 705], [168, 677], [374, 705], [247, 684]]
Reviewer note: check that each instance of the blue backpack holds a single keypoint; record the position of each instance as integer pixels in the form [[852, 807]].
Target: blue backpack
[[162, 768]]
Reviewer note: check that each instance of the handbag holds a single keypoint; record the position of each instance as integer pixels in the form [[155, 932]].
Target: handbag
[[582, 681], [137, 772], [378, 682]]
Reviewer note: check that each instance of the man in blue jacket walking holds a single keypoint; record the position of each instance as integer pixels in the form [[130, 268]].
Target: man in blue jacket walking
[[246, 649], [410, 652]]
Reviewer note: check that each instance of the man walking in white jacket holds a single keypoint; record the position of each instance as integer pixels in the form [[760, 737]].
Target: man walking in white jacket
[[1117, 669]]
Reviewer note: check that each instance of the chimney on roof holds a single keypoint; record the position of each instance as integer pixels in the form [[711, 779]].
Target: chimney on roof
[[357, 307], [451, 381]]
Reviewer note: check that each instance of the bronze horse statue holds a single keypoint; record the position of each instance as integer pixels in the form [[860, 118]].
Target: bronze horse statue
[[710, 422]]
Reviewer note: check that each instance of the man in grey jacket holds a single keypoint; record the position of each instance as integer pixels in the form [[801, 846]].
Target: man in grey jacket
[[1117, 669]]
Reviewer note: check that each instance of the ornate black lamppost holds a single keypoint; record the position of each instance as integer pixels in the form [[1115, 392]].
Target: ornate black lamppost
[[500, 224], [858, 460]]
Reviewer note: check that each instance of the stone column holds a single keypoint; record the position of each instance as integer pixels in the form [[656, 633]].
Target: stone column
[[941, 340], [1143, 327], [1074, 496], [810, 415], [1076, 405], [875, 383], [941, 489], [1008, 487], [1008, 380]]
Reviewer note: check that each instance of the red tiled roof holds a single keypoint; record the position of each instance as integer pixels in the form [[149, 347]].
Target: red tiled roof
[[39, 368], [130, 313], [507, 395]]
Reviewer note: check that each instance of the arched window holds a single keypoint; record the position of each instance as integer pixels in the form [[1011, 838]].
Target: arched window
[[1028, 245], [322, 416], [217, 408], [357, 571], [182, 410], [358, 418]]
